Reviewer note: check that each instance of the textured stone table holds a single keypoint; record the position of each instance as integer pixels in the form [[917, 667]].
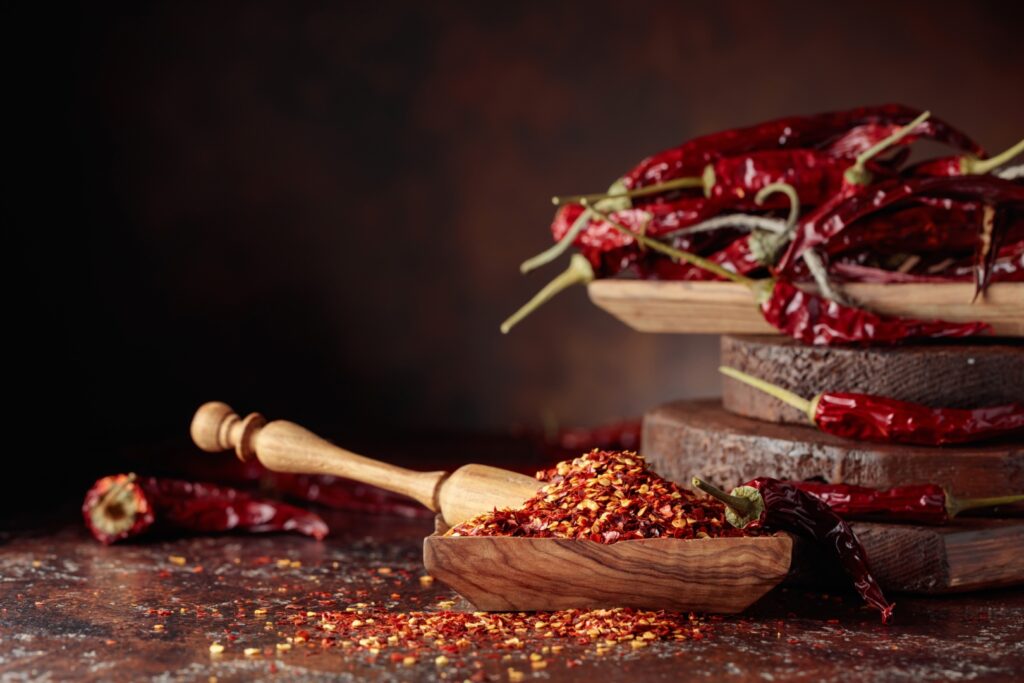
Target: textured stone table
[[74, 610]]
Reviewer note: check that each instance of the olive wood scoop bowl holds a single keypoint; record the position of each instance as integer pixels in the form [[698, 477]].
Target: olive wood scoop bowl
[[511, 573]]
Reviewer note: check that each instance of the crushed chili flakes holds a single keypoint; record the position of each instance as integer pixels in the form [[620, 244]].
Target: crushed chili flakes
[[605, 496], [447, 634]]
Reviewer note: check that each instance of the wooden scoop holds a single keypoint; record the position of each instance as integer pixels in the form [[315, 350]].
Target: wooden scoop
[[286, 447], [506, 573]]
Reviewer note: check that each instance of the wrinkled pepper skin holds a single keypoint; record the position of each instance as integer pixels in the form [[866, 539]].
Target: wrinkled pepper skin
[[829, 220], [876, 418], [690, 158], [788, 508], [919, 504], [813, 319], [178, 505]]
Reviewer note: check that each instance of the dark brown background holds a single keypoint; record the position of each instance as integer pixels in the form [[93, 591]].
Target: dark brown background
[[317, 209]]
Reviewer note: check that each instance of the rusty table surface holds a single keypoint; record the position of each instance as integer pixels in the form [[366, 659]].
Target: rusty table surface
[[75, 610]]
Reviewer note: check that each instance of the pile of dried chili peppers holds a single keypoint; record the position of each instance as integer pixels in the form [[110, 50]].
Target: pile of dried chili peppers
[[605, 496], [124, 506], [713, 208]]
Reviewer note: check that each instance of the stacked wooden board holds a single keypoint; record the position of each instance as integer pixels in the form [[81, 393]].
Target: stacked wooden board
[[747, 435]]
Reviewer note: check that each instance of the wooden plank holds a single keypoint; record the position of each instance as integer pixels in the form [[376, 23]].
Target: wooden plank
[[724, 575], [728, 308], [700, 438], [956, 375], [969, 554]]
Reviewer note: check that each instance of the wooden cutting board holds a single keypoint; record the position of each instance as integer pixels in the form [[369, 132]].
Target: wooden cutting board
[[950, 375], [700, 438], [729, 308]]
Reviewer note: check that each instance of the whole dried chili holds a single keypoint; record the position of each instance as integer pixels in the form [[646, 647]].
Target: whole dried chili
[[806, 132], [967, 164], [811, 318], [921, 503], [124, 506], [605, 496], [766, 503], [876, 418]]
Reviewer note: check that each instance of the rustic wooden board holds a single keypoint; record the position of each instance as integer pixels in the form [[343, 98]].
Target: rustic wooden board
[[969, 554], [728, 308], [688, 438], [724, 575], [941, 375]]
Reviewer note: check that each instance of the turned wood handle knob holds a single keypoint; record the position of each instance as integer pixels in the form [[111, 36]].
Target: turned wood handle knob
[[217, 427]]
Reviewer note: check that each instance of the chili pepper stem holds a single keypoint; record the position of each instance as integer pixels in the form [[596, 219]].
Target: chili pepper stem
[[784, 395], [558, 248], [743, 506], [674, 184], [858, 174], [677, 254], [954, 506], [578, 272], [971, 165]]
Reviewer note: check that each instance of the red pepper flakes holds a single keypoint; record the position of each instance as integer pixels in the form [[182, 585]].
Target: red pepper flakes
[[442, 635], [605, 496]]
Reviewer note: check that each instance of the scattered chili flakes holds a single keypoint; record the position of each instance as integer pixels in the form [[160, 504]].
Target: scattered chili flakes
[[445, 634], [605, 496]]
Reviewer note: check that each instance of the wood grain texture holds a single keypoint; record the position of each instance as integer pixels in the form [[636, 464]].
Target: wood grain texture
[[966, 555], [284, 446], [939, 375], [728, 308], [688, 438], [724, 575]]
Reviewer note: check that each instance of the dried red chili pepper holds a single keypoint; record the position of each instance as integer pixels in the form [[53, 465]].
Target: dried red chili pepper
[[967, 164], [777, 505], [813, 319], [691, 157], [829, 220], [876, 418], [124, 505], [921, 503]]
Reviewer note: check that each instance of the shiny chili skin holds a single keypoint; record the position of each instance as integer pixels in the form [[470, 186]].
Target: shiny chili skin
[[788, 508], [690, 158], [827, 221], [813, 319], [814, 175], [876, 418], [178, 505], [921, 504], [611, 252], [914, 228]]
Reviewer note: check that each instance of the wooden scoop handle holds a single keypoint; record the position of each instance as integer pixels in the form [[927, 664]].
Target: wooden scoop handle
[[286, 447]]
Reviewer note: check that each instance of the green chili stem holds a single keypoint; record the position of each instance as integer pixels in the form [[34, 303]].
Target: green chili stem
[[677, 254], [975, 166], [556, 249], [789, 191], [578, 272], [955, 506], [858, 174], [674, 184], [784, 395], [744, 506]]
